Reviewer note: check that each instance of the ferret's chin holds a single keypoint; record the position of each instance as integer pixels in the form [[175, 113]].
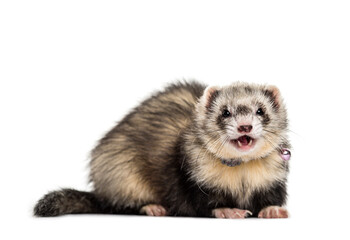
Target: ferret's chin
[[243, 143]]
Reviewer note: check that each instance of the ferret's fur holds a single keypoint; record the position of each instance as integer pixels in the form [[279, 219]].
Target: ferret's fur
[[170, 151]]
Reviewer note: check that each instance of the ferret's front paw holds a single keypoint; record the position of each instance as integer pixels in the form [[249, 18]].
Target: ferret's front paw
[[153, 210], [230, 213], [273, 212]]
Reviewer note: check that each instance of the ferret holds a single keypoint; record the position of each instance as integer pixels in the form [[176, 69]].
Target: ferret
[[189, 150]]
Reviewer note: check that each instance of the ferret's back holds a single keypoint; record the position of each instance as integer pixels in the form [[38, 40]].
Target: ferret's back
[[158, 119], [140, 141]]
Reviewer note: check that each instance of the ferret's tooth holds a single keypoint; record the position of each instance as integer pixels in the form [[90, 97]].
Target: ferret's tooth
[[250, 142], [239, 144]]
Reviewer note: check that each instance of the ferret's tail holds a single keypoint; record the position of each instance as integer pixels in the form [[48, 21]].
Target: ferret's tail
[[70, 201]]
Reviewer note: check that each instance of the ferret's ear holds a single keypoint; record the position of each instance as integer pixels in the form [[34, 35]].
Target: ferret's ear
[[210, 93], [273, 93]]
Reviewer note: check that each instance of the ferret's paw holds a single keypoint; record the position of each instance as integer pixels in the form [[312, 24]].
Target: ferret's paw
[[153, 210], [230, 213], [273, 212]]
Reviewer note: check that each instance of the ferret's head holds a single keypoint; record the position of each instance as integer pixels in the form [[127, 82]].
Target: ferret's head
[[241, 121]]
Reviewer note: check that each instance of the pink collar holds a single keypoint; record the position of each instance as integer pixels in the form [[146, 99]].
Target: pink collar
[[285, 154]]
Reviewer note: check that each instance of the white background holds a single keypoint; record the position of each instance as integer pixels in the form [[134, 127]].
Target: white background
[[70, 69]]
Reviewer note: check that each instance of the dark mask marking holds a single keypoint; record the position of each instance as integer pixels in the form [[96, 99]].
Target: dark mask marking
[[266, 119], [220, 122], [242, 110]]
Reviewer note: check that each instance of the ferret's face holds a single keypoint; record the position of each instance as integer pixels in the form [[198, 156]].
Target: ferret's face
[[242, 121]]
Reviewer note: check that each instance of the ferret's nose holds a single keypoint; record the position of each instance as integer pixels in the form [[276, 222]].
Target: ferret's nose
[[245, 128]]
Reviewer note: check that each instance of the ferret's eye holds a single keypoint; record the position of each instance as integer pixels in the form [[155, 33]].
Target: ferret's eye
[[226, 113], [260, 112]]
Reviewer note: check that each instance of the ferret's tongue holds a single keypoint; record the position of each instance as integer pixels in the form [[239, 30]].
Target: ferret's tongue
[[244, 140]]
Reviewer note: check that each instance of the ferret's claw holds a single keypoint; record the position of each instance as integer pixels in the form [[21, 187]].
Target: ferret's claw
[[273, 212], [153, 210], [231, 213]]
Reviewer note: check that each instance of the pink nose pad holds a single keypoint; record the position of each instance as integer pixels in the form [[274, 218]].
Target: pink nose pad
[[245, 128]]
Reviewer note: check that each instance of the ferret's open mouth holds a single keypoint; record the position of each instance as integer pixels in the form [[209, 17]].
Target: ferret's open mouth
[[243, 143]]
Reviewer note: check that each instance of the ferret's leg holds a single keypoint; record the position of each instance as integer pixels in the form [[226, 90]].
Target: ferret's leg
[[153, 210], [273, 212], [230, 213]]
